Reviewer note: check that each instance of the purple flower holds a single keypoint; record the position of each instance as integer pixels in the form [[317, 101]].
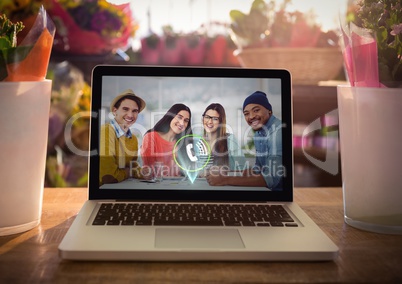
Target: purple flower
[[99, 21], [81, 17], [103, 21], [396, 30], [115, 23]]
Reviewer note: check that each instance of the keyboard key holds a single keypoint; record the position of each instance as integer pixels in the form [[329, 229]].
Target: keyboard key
[[276, 224], [144, 223], [127, 222], [232, 223], [248, 223], [100, 222], [113, 222]]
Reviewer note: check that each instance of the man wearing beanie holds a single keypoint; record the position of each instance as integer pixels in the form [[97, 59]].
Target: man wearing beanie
[[268, 169]]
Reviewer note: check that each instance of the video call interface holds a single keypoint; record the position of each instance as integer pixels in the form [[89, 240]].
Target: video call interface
[[187, 133]]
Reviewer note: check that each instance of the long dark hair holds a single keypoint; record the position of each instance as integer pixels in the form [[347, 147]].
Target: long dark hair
[[220, 148], [163, 125]]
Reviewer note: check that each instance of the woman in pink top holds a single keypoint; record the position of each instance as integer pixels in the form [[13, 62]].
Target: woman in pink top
[[158, 143]]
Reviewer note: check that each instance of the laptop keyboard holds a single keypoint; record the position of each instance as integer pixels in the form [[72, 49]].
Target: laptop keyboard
[[147, 214]]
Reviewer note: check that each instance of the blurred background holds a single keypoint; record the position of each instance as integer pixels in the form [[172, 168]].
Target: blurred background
[[302, 36]]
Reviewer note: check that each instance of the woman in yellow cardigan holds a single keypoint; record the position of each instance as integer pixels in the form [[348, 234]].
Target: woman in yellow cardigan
[[118, 146]]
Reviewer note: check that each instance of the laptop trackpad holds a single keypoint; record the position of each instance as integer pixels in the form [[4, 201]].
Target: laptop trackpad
[[198, 238]]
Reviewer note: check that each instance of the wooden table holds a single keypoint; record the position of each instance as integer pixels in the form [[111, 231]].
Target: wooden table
[[32, 257]]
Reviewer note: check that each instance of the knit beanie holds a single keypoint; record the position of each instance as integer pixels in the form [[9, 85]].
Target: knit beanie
[[259, 98]]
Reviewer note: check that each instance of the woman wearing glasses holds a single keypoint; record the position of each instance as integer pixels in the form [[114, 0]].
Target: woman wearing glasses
[[224, 148]]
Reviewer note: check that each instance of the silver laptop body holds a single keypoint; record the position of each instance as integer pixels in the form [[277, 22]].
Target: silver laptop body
[[160, 87]]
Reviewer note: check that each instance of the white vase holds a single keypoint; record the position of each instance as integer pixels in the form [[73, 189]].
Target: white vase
[[371, 155], [24, 120]]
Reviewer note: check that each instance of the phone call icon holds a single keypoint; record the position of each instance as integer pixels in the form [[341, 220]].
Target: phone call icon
[[194, 154]]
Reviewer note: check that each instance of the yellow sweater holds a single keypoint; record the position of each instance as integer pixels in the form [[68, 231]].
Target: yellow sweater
[[116, 154]]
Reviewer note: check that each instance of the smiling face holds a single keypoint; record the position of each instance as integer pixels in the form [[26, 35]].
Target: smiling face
[[180, 122], [126, 113], [211, 121], [256, 115]]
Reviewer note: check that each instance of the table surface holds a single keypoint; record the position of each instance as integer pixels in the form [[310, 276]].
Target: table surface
[[32, 257], [173, 183]]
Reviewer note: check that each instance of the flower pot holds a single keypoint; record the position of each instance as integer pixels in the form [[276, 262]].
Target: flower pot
[[194, 50], [23, 146], [231, 59], [307, 66], [151, 50], [371, 141], [216, 51], [172, 50]]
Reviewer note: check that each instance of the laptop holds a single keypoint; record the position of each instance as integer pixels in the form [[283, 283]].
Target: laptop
[[108, 226]]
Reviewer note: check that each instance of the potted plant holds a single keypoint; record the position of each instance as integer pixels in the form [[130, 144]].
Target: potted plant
[[21, 11], [269, 36], [151, 47], [194, 49], [370, 115], [379, 25], [172, 47], [25, 97]]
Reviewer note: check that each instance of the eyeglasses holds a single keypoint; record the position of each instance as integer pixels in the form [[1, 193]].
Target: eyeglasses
[[214, 118]]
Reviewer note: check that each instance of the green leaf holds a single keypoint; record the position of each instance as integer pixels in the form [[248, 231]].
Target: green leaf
[[382, 35], [384, 73], [258, 5], [397, 72], [17, 54], [389, 56], [12, 55], [3, 71], [236, 16], [5, 43]]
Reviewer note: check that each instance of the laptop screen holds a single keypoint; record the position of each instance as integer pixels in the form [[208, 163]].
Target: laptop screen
[[190, 133]]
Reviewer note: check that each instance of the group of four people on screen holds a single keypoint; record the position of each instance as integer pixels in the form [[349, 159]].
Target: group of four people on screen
[[122, 157]]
